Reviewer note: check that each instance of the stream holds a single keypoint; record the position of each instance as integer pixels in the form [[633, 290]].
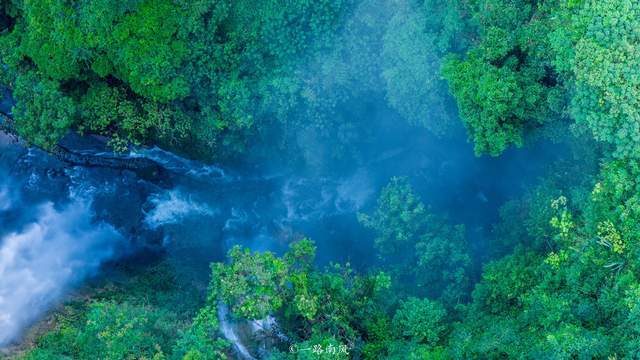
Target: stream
[[60, 223]]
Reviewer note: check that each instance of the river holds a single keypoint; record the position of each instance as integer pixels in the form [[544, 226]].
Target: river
[[61, 224]]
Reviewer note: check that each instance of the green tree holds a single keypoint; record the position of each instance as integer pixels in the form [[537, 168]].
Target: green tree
[[253, 284], [413, 47], [420, 320], [605, 66], [505, 85], [431, 254], [45, 113], [110, 331]]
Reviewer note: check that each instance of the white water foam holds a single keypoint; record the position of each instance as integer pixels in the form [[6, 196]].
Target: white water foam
[[172, 207], [38, 263]]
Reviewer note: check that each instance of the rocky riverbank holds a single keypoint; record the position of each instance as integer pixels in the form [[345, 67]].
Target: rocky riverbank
[[144, 168]]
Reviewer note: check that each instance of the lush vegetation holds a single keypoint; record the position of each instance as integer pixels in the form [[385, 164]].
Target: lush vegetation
[[185, 75], [218, 78]]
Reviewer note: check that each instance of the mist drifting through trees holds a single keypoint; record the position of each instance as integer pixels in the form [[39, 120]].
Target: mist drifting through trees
[[319, 179]]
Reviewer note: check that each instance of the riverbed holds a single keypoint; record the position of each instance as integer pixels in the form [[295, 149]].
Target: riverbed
[[61, 224]]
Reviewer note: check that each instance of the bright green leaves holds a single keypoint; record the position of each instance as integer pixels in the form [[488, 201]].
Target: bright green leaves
[[526, 308], [420, 320], [497, 103], [117, 331], [614, 213], [146, 52], [489, 100], [254, 283], [139, 119], [44, 113], [504, 85], [509, 83], [569, 298], [610, 237], [417, 331], [72, 46], [562, 221], [110, 331], [557, 259], [201, 340], [399, 218], [148, 314], [51, 39], [139, 47], [312, 306], [333, 307], [607, 79]]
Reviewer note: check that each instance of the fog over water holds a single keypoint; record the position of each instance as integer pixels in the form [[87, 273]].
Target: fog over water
[[60, 224]]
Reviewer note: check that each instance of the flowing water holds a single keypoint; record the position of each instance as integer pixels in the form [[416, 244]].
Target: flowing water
[[59, 224]]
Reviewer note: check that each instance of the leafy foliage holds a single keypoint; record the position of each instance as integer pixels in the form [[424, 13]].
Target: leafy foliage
[[504, 86], [213, 77], [605, 67], [198, 68], [331, 307], [110, 331], [420, 320], [414, 45], [254, 285], [422, 247]]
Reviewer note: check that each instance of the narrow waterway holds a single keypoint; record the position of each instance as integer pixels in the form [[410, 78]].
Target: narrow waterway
[[60, 223]]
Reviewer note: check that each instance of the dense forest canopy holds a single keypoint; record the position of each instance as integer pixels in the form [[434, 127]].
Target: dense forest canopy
[[221, 79], [211, 79]]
